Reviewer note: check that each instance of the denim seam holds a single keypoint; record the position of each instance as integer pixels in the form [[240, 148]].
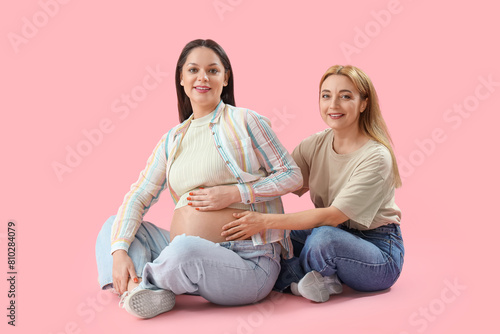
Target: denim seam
[[217, 264], [263, 284], [214, 264], [334, 262]]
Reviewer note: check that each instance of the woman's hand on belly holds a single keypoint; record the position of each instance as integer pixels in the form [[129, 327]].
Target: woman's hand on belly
[[214, 198], [247, 224]]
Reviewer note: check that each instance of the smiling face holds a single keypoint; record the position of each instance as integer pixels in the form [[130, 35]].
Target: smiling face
[[341, 104], [203, 77]]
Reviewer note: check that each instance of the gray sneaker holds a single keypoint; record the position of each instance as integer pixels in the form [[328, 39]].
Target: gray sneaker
[[315, 287], [144, 303]]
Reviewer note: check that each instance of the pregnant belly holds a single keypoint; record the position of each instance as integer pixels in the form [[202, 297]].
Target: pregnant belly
[[204, 224]]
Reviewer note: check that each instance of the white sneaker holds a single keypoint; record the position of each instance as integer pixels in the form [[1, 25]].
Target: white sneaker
[[294, 288], [144, 303], [317, 288]]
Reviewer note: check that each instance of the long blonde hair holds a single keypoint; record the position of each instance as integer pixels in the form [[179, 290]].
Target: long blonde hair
[[371, 121]]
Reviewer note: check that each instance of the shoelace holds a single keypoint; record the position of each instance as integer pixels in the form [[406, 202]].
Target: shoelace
[[124, 296]]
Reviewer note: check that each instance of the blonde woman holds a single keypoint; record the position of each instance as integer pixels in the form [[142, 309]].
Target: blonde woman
[[353, 235]]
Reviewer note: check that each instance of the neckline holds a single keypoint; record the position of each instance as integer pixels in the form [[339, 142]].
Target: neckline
[[202, 121], [350, 154]]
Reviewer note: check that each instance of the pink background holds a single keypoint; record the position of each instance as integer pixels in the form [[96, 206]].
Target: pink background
[[64, 73]]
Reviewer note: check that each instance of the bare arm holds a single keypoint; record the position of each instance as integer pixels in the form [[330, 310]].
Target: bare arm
[[250, 223]]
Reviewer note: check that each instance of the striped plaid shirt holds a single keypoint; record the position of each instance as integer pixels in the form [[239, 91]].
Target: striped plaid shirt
[[249, 147]]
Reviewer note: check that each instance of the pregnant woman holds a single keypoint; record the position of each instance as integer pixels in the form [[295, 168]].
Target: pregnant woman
[[219, 161], [353, 235]]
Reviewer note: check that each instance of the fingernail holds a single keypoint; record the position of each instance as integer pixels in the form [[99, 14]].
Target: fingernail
[[202, 188], [197, 208], [191, 194], [189, 198], [190, 203], [136, 280]]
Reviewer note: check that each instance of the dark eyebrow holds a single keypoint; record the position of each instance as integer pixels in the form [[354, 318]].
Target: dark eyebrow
[[217, 64]]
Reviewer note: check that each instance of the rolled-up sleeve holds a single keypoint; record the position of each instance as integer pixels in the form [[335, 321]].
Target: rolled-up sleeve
[[283, 174], [142, 195]]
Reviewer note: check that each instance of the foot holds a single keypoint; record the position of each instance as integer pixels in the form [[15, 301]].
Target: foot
[[294, 288], [315, 287], [145, 304], [132, 284]]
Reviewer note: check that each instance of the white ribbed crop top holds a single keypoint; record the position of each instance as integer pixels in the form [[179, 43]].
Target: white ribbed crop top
[[198, 164]]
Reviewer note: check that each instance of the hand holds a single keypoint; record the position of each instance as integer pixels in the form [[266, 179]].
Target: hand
[[214, 198], [123, 269], [248, 224]]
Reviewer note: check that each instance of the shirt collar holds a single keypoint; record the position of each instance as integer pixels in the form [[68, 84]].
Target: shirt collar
[[185, 125], [218, 111]]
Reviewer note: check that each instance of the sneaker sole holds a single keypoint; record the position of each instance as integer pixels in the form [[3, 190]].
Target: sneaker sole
[[150, 303]]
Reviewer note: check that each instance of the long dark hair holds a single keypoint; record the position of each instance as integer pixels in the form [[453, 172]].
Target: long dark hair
[[183, 102]]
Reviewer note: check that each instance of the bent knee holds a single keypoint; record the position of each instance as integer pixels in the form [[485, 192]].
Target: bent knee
[[105, 232], [370, 283], [187, 247], [326, 234]]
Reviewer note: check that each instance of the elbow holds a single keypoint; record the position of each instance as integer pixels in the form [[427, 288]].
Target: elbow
[[292, 181], [297, 179], [330, 216]]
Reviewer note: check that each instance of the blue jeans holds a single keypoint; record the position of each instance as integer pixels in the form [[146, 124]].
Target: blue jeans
[[226, 273], [369, 260]]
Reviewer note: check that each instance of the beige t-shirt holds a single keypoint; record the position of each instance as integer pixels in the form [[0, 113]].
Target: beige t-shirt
[[359, 183]]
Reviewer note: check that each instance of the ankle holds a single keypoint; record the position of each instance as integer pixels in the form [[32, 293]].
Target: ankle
[[132, 285]]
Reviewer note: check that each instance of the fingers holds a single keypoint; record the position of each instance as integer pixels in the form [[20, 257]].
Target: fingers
[[133, 275], [201, 192], [233, 231], [241, 214], [203, 206], [237, 236], [123, 268], [241, 219], [120, 284], [197, 203], [208, 199], [120, 280], [200, 202], [230, 225]]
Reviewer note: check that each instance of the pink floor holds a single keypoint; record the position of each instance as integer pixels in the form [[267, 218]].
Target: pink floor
[[68, 68]]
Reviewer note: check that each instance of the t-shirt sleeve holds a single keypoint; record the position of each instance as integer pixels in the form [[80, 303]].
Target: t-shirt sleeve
[[366, 189], [302, 158]]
